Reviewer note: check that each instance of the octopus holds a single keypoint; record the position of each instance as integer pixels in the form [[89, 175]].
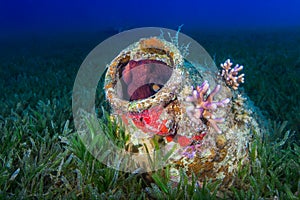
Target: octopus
[[142, 79]]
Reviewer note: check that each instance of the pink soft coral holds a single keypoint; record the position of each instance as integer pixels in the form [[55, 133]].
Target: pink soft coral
[[230, 75], [202, 107]]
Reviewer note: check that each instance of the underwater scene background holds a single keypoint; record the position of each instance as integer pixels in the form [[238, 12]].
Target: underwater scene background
[[42, 46]]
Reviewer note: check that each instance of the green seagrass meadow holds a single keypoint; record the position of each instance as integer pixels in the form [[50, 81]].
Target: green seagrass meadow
[[41, 156]]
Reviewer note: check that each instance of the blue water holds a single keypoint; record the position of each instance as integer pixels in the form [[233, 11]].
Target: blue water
[[19, 17]]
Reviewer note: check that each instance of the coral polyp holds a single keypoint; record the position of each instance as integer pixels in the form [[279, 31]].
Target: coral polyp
[[202, 106], [230, 74]]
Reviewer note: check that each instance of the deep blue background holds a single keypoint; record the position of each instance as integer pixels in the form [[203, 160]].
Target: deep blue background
[[56, 16]]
